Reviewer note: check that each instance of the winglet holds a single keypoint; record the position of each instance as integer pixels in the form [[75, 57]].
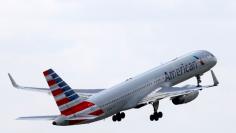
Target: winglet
[[13, 82], [216, 82]]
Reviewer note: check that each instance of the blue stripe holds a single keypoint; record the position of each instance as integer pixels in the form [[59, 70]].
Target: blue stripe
[[50, 71], [54, 75], [73, 97], [69, 93], [66, 88], [62, 84], [58, 80]]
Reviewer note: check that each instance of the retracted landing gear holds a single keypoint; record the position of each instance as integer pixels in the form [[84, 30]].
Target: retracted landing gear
[[118, 117], [198, 80], [156, 115]]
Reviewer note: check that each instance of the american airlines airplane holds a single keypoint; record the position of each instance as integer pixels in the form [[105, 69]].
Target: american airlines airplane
[[81, 106]]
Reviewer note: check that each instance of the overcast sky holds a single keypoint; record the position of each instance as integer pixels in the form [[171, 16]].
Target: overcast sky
[[99, 43]]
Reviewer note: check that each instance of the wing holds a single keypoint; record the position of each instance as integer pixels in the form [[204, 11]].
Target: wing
[[49, 117], [165, 92], [83, 92]]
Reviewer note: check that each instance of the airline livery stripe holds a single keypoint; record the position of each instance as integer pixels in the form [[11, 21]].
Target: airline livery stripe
[[54, 75], [68, 105], [73, 97], [51, 82], [58, 80], [59, 97], [46, 73], [65, 88], [69, 93], [97, 113], [73, 122], [48, 78], [63, 101], [62, 84], [57, 92], [54, 87], [77, 108]]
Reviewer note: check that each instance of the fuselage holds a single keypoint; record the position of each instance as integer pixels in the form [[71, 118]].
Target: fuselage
[[127, 94]]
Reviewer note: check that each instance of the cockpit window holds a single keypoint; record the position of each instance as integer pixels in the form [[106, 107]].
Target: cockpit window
[[200, 60], [196, 57]]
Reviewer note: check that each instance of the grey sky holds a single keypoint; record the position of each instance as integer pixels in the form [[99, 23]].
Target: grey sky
[[94, 44]]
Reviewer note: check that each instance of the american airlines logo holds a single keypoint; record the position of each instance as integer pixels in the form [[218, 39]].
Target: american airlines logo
[[184, 68]]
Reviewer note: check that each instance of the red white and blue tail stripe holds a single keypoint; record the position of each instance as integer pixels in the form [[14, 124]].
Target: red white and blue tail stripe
[[61, 91], [69, 102]]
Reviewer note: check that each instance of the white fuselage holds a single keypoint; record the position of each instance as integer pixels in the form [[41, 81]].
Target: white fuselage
[[127, 94]]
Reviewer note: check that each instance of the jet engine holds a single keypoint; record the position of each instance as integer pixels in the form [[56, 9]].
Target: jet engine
[[184, 98]]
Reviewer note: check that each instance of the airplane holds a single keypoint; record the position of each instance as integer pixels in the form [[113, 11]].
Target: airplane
[[82, 106]]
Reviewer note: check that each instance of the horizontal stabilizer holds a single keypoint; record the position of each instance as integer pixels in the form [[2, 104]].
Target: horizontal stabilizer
[[14, 84], [85, 93], [49, 117]]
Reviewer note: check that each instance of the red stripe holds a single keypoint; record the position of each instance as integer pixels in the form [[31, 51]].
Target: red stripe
[[73, 122], [97, 113], [63, 101], [45, 73], [77, 108], [57, 92], [51, 82]]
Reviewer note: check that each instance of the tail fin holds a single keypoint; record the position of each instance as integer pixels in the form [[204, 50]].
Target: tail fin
[[64, 96]]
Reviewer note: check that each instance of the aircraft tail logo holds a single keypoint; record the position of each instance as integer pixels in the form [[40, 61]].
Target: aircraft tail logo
[[67, 100], [61, 91]]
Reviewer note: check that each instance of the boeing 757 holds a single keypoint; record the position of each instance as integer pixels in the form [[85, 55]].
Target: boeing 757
[[82, 106]]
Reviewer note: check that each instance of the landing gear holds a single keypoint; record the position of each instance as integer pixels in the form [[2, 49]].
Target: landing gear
[[118, 117], [156, 115], [198, 80]]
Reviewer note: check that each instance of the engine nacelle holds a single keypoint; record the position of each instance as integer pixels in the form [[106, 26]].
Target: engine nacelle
[[184, 98]]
